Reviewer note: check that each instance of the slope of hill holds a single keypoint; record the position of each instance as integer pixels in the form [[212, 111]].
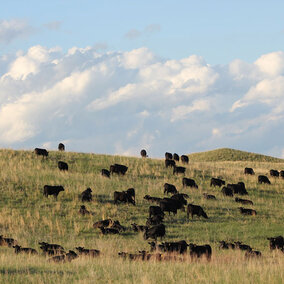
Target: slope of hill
[[227, 154]]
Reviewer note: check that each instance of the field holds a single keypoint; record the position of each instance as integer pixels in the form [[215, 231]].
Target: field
[[29, 217]]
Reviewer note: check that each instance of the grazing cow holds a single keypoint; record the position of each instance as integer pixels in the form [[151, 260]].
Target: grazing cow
[[155, 210], [105, 173], [195, 210], [276, 242], [131, 192], [7, 241], [116, 225], [152, 199], [168, 206], [169, 188], [46, 246], [281, 174], [168, 156], [238, 188], [52, 190], [189, 182], [143, 153], [107, 231], [123, 196], [227, 191], [184, 159], [19, 249], [243, 201], [179, 247], [64, 257], [155, 232], [179, 170], [170, 163], [263, 179], [253, 254], [52, 252], [176, 157], [138, 228], [41, 152], [62, 166], [154, 220], [241, 246], [209, 196], [274, 173], [246, 211], [198, 251], [217, 182], [118, 169], [88, 252], [181, 198], [103, 223], [61, 147], [226, 245], [86, 195], [249, 171]]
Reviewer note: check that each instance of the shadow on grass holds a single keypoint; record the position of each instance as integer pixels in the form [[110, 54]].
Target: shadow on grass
[[32, 270]]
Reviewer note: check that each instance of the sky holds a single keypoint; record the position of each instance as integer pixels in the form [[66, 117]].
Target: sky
[[118, 76]]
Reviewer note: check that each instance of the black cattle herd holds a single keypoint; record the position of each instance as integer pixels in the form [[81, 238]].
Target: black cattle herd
[[154, 227]]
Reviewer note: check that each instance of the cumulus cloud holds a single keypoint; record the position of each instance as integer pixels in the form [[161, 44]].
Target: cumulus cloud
[[121, 102]]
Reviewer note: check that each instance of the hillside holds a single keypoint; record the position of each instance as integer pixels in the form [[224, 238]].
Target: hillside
[[30, 217], [227, 154]]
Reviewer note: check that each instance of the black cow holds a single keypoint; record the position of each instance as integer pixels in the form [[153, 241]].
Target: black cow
[[123, 196], [88, 252], [155, 232], [179, 170], [139, 228], [143, 153], [103, 223], [46, 246], [154, 220], [170, 163], [7, 241], [168, 156], [217, 182], [169, 206], [52, 190], [209, 196], [52, 252], [107, 231], [281, 174], [64, 257], [241, 246], [61, 147], [19, 249], [152, 199], [86, 195], [189, 182], [276, 242], [226, 245], [62, 166], [246, 211], [181, 198], [263, 179], [131, 192], [155, 210], [253, 254], [41, 152], [169, 188], [198, 251], [176, 247], [118, 169], [238, 188], [227, 191], [249, 171], [176, 157], [243, 201], [184, 159], [105, 173], [274, 173], [195, 210]]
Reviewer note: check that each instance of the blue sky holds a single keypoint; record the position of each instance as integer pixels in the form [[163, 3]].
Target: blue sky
[[117, 76]]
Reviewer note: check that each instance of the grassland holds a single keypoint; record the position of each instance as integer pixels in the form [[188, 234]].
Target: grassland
[[29, 217]]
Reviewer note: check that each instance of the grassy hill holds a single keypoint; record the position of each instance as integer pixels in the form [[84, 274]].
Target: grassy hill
[[29, 217], [227, 154]]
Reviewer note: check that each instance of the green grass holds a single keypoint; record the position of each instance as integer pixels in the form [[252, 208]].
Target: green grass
[[29, 217]]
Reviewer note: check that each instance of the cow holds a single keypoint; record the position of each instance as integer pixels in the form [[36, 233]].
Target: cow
[[88, 252], [217, 182], [123, 196], [168, 206], [184, 159], [46, 246], [181, 198], [263, 179], [41, 152], [246, 211], [169, 188], [118, 169], [238, 188], [276, 242], [253, 254], [131, 192], [189, 182], [243, 201], [64, 257], [152, 199], [154, 220], [195, 210], [143, 153], [198, 251], [227, 191], [170, 247], [168, 156], [170, 163], [61, 147], [274, 173], [105, 173], [281, 174], [86, 195], [52, 190], [176, 157], [155, 232], [249, 171], [226, 245], [179, 170], [155, 210], [7, 241], [19, 249], [209, 196], [62, 166], [241, 246], [103, 223], [52, 252], [139, 228], [107, 231]]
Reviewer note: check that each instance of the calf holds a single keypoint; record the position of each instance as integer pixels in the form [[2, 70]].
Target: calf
[[217, 182], [198, 251], [155, 232], [169, 188], [62, 166], [274, 173], [86, 195], [184, 159], [227, 191], [46, 246], [195, 210], [7, 241], [153, 199], [52, 190], [189, 182], [276, 242], [105, 173], [155, 210], [88, 252], [179, 247], [209, 196], [19, 249], [241, 246], [170, 163], [118, 169], [246, 211], [68, 257], [41, 152], [226, 245], [176, 157], [179, 170], [249, 171], [263, 179], [123, 196], [138, 228], [243, 201]]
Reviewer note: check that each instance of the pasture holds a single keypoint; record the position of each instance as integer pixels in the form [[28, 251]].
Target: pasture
[[30, 217]]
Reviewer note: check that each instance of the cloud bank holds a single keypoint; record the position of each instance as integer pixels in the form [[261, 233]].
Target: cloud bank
[[120, 102]]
